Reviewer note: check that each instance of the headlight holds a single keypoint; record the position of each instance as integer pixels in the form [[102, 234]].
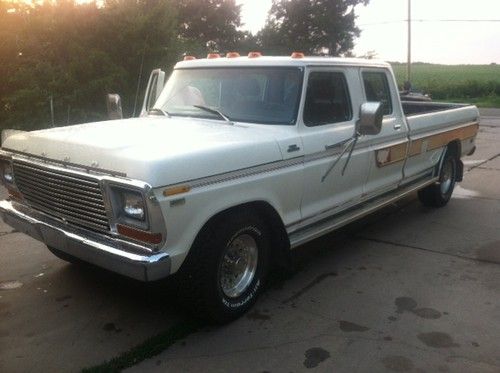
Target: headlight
[[129, 207], [134, 215], [133, 205], [6, 173]]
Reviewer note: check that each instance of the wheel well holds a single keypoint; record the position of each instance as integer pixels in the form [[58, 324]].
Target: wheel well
[[279, 238], [455, 147]]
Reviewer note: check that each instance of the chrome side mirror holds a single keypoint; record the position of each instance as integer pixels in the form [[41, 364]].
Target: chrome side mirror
[[370, 118], [114, 105], [155, 86]]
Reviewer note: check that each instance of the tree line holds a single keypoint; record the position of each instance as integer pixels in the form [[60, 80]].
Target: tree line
[[59, 58]]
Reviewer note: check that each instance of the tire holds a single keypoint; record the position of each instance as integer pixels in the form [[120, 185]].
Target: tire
[[66, 257], [439, 194], [226, 268]]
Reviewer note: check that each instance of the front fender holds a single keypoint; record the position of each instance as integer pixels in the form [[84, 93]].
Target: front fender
[[186, 214]]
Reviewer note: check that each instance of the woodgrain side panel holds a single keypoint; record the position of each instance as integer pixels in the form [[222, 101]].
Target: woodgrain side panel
[[390, 155], [397, 153]]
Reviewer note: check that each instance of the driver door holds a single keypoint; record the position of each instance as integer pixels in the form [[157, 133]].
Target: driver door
[[330, 113]]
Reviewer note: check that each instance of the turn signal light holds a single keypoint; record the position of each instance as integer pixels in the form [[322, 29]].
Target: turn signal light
[[254, 54], [176, 190], [213, 55], [232, 54], [139, 235], [297, 55], [14, 194], [189, 58]]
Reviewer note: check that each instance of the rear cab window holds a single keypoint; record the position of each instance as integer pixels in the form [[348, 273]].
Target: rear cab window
[[377, 89], [327, 99]]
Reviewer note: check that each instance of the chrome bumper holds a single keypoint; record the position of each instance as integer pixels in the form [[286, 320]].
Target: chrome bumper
[[106, 252]]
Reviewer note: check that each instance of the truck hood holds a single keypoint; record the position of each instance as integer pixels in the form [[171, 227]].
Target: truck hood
[[157, 150]]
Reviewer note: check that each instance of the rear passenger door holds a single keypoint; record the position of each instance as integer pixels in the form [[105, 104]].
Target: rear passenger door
[[328, 118], [389, 147]]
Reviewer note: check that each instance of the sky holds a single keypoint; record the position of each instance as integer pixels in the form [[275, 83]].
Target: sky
[[438, 42], [384, 29]]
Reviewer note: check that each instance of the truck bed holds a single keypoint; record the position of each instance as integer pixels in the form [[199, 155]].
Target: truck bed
[[430, 118], [411, 108]]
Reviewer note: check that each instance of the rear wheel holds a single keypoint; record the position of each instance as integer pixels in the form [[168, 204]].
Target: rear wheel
[[226, 268], [438, 194]]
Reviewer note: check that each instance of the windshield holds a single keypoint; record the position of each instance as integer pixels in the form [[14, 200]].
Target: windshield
[[268, 95]]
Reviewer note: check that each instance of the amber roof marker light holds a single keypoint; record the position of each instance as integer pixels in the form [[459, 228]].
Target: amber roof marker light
[[297, 55], [189, 58], [232, 55], [254, 54], [212, 56]]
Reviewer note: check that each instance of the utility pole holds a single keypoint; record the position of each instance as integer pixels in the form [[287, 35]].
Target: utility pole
[[408, 63]]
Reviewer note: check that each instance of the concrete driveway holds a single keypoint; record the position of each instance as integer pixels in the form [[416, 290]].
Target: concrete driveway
[[407, 289]]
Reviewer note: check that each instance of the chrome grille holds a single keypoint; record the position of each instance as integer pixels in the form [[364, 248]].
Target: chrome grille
[[71, 197]]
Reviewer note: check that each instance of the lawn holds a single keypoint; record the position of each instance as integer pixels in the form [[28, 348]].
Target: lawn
[[478, 84]]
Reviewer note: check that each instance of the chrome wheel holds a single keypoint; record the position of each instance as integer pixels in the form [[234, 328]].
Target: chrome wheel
[[238, 266], [447, 177]]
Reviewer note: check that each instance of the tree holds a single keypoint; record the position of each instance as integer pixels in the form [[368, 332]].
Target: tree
[[311, 26], [209, 25], [73, 54]]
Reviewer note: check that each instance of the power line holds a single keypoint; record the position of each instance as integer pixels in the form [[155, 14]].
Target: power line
[[429, 20]]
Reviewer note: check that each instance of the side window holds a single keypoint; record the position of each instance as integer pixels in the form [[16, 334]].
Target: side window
[[377, 89], [327, 99]]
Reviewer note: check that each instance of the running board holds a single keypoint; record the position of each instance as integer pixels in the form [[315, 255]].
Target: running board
[[336, 221]]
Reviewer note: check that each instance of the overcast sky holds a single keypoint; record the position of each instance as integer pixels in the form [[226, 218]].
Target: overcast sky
[[437, 42]]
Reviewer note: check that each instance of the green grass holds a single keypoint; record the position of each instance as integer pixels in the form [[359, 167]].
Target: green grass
[[484, 102], [147, 349], [477, 84]]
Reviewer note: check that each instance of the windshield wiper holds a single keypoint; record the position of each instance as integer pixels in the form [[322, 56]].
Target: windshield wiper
[[214, 111], [158, 110]]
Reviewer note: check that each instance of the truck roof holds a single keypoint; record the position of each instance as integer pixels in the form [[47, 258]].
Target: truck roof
[[279, 61]]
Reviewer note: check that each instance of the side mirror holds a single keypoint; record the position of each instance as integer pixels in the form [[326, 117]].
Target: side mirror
[[114, 104], [153, 90], [370, 118]]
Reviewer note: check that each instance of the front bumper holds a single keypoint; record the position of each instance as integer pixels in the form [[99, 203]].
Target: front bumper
[[103, 251]]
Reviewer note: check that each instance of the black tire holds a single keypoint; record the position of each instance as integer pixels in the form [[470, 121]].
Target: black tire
[[201, 276], [439, 194], [64, 256]]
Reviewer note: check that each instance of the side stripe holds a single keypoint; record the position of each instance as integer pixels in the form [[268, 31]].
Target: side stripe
[[397, 153], [441, 139]]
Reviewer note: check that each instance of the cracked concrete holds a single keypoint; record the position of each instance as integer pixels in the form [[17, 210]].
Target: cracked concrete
[[406, 289], [479, 260]]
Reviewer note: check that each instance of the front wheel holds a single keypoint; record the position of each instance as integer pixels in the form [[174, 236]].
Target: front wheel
[[226, 268], [438, 194]]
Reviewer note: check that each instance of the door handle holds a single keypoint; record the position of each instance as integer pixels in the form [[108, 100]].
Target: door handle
[[293, 148], [338, 145], [397, 127]]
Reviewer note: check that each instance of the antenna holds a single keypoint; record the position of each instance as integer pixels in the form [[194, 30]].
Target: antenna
[[140, 75]]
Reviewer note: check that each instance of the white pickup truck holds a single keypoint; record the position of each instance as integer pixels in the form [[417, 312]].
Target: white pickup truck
[[233, 163]]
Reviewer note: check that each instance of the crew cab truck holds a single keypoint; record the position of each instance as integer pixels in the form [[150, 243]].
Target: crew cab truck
[[235, 162]]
